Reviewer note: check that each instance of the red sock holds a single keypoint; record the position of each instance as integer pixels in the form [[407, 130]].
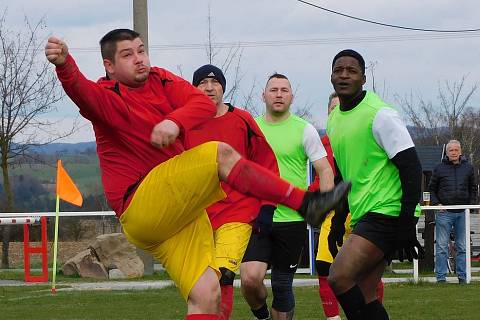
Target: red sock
[[329, 302], [227, 302], [198, 316], [380, 289], [252, 179]]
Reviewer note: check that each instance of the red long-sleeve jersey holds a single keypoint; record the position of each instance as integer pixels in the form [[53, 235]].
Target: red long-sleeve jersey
[[123, 119], [237, 128], [326, 143]]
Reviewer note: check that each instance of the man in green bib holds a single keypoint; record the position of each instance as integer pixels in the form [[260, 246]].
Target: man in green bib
[[374, 151], [294, 141]]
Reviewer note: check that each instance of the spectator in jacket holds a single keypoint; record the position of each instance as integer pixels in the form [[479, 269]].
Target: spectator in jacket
[[453, 182]]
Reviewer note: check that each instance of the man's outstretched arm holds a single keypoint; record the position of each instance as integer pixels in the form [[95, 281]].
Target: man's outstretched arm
[[94, 102]]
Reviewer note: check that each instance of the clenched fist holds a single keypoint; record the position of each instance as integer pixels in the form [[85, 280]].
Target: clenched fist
[[56, 51], [164, 133]]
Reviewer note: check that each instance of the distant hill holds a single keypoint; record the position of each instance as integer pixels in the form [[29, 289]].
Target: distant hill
[[80, 160], [64, 148]]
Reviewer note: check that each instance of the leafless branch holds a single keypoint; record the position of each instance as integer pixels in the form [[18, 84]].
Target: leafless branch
[[29, 90]]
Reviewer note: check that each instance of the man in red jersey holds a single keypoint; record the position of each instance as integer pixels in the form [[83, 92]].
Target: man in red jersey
[[140, 115], [232, 217]]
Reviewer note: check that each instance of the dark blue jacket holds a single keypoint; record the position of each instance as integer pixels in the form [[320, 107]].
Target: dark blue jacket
[[453, 183]]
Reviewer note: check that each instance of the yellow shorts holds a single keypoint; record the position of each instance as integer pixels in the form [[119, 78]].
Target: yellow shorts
[[231, 241], [323, 253], [167, 216]]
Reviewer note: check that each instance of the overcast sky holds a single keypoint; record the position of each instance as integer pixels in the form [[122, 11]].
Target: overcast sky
[[405, 61]]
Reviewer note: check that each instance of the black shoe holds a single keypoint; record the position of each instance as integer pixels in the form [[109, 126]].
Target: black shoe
[[318, 204]]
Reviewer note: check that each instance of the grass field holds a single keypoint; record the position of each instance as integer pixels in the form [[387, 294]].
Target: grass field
[[403, 301]]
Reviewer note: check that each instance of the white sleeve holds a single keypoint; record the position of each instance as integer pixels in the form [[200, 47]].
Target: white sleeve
[[312, 144], [390, 132]]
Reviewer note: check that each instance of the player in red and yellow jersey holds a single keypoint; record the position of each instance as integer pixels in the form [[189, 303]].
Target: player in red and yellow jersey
[[159, 190], [232, 217]]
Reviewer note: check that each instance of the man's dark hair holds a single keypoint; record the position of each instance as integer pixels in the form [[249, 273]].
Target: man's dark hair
[[276, 76], [108, 44], [350, 53]]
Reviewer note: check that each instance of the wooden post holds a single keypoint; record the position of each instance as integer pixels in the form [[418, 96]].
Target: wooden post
[[140, 20], [427, 264]]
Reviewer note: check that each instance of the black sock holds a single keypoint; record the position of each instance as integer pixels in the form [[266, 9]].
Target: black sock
[[374, 311], [352, 302], [262, 313]]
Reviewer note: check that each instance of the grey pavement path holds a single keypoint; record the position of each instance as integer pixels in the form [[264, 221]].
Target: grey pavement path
[[159, 284]]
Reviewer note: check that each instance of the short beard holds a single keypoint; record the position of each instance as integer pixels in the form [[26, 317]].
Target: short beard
[[141, 77]]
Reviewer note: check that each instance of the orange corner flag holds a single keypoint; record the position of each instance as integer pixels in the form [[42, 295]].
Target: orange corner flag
[[66, 188]]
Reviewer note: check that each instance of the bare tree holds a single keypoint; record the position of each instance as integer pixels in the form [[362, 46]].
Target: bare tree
[[250, 99], [375, 88], [425, 118], [303, 110], [371, 67], [229, 61], [454, 99], [451, 118], [211, 52], [28, 91], [468, 133]]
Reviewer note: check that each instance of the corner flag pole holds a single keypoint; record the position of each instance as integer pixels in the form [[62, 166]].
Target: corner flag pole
[[67, 191], [55, 245]]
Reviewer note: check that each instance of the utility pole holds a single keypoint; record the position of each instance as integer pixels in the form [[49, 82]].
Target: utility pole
[[140, 20], [140, 24]]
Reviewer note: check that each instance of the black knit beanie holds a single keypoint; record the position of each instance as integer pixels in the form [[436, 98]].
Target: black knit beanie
[[209, 71]]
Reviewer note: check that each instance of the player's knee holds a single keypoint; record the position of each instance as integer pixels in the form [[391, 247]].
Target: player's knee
[[227, 157], [283, 299], [205, 294], [201, 292], [212, 302], [337, 281], [224, 152], [250, 280], [227, 278]]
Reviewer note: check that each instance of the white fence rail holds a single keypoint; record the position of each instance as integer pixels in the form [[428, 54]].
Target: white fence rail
[[20, 220], [61, 214], [468, 249], [35, 216]]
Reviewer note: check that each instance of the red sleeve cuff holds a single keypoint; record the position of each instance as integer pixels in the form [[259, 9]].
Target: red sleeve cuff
[[177, 122], [67, 69]]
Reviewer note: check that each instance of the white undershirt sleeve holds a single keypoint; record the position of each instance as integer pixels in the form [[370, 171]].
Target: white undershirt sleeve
[[312, 144], [390, 132]]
